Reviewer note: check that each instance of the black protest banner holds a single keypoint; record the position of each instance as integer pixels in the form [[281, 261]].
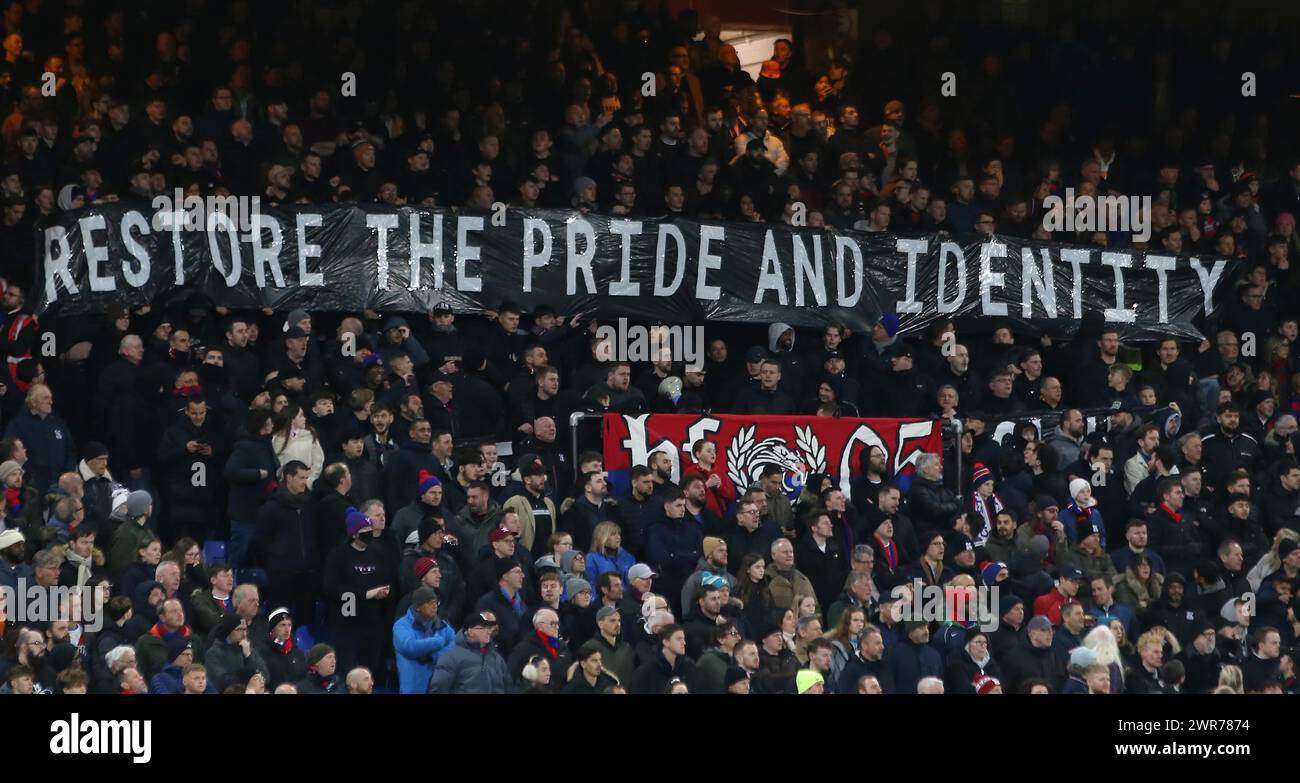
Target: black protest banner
[[349, 257]]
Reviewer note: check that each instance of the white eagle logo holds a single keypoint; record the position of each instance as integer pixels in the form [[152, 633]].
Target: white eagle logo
[[746, 457]]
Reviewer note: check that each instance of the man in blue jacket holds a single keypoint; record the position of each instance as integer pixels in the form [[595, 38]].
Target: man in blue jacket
[[912, 658], [50, 450], [420, 637], [674, 543]]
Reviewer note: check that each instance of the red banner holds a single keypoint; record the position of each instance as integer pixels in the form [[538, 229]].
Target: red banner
[[799, 445]]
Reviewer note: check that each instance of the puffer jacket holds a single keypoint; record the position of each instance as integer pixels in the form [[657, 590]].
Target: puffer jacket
[[419, 643], [467, 668], [933, 506]]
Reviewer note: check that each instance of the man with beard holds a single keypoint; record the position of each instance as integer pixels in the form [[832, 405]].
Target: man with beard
[[1067, 439], [1227, 448], [955, 371], [713, 563], [191, 449], [867, 483], [13, 559], [1202, 659]]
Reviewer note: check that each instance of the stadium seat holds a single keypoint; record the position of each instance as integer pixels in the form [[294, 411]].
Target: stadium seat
[[256, 576], [214, 551], [303, 639]]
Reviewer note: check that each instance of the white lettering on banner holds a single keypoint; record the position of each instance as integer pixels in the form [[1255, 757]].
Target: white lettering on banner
[[1076, 258], [698, 432], [913, 248], [218, 224], [140, 276], [421, 250], [810, 271], [95, 254], [466, 252], [844, 246], [56, 264], [1119, 313], [382, 224], [769, 276], [989, 279], [533, 259], [579, 261], [674, 233], [307, 250], [868, 437], [945, 250], [1042, 281], [1162, 265], [640, 450], [267, 255], [1209, 279], [709, 260], [623, 286]]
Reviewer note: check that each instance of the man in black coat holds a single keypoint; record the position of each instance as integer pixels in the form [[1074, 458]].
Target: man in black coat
[[544, 642], [932, 504], [1226, 449], [819, 556], [767, 398], [1037, 659], [191, 456], [287, 544], [121, 408], [1178, 541], [506, 602], [903, 390], [668, 663]]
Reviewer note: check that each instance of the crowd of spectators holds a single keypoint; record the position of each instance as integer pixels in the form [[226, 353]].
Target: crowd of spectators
[[320, 502]]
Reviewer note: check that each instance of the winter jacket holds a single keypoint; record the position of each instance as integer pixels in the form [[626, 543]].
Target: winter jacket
[[583, 516], [933, 506], [672, 548], [248, 488], [908, 663], [1177, 539], [599, 563], [125, 543], [1029, 662], [151, 648], [467, 668], [522, 505], [654, 675], [693, 582], [227, 664], [286, 540], [50, 449], [418, 644], [474, 531], [825, 570], [191, 506], [1221, 454], [286, 662], [531, 644], [785, 586], [962, 671], [302, 446]]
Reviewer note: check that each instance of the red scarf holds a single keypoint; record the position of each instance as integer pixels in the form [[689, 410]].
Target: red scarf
[[550, 643], [1178, 517], [891, 552], [284, 647], [14, 500]]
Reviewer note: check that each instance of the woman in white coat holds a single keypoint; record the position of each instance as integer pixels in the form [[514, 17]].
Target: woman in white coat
[[294, 439]]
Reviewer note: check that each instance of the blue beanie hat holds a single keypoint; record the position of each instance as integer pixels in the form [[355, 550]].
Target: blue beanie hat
[[891, 323], [356, 522], [427, 482]]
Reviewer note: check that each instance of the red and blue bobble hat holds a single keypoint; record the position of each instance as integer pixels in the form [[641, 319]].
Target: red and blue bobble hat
[[985, 684], [980, 475], [989, 571], [428, 481], [356, 522]]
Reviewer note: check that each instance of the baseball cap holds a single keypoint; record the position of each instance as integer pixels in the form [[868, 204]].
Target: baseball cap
[[640, 571], [605, 611], [756, 353], [1070, 572], [481, 620]]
